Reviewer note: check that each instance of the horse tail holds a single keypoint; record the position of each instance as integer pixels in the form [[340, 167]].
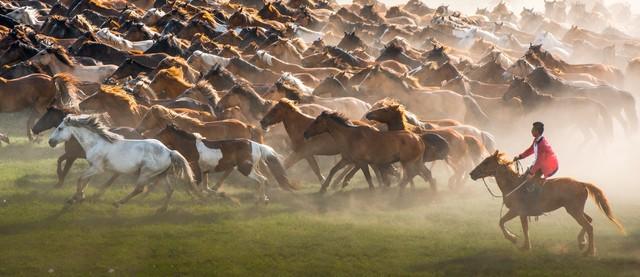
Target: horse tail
[[489, 141], [256, 134], [607, 120], [475, 148], [272, 159], [436, 147], [475, 112], [181, 169], [603, 203]]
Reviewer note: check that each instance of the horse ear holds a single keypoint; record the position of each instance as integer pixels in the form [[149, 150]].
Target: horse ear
[[496, 153]]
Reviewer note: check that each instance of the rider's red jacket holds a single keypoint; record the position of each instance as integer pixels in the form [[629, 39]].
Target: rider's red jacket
[[546, 159]]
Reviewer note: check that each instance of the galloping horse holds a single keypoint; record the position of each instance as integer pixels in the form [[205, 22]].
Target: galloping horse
[[57, 60], [464, 150], [365, 145], [35, 91], [149, 160], [295, 123], [555, 193], [72, 149], [225, 155]]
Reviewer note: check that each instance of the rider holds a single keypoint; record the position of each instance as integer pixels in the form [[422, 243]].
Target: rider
[[545, 162]]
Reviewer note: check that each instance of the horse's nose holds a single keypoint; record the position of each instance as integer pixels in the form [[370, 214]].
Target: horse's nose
[[52, 143]]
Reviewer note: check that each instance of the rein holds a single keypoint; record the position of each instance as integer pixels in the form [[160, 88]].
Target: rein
[[518, 170]]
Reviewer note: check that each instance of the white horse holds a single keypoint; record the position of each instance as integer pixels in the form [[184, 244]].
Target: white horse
[[468, 36], [202, 61], [105, 36], [58, 61], [553, 45], [26, 15], [149, 159]]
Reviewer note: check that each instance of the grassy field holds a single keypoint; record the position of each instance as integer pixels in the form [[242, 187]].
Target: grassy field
[[355, 232]]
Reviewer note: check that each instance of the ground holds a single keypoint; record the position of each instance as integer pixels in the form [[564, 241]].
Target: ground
[[355, 232]]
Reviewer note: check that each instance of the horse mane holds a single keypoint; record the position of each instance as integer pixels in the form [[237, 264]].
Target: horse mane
[[204, 16], [61, 54], [93, 124], [244, 65], [65, 77], [289, 104], [409, 81], [173, 73], [265, 57], [207, 91], [167, 113], [288, 79], [118, 93], [338, 118], [98, 3], [180, 132]]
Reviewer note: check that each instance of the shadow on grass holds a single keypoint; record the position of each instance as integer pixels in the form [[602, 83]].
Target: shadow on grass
[[498, 262]]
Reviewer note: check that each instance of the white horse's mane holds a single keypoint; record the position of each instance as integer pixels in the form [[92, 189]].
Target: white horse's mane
[[92, 123], [265, 57], [288, 78]]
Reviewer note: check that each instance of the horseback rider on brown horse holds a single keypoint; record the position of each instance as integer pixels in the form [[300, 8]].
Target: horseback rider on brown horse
[[545, 164]]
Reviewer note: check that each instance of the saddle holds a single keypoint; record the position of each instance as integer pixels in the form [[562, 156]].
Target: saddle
[[531, 192]]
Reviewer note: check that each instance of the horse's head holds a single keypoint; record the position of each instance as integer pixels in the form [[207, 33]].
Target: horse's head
[[51, 118], [516, 88], [318, 126], [386, 114], [94, 102], [328, 86], [61, 133], [155, 118], [277, 113], [489, 166]]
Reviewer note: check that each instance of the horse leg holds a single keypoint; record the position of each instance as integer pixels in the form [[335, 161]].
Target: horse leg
[[581, 218], [311, 160], [344, 177], [349, 172], [169, 192], [342, 163], [30, 121], [525, 233], [143, 179], [83, 182], [378, 172], [222, 178], [261, 196], [106, 185], [582, 240], [426, 175], [63, 171], [507, 234], [367, 175]]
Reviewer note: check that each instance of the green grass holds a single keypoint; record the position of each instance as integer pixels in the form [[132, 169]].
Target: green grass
[[356, 232]]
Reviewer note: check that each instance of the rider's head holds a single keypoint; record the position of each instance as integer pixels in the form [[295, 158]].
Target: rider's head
[[538, 129]]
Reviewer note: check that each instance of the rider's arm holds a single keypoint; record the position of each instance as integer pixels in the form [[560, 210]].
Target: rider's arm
[[526, 153]]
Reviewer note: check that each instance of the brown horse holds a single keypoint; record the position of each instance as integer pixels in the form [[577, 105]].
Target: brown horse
[[463, 150], [35, 92], [295, 123], [225, 155], [158, 117], [366, 145], [555, 193]]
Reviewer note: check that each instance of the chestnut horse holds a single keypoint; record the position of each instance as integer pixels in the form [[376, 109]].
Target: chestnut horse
[[464, 150], [366, 145], [295, 123], [555, 193], [35, 91]]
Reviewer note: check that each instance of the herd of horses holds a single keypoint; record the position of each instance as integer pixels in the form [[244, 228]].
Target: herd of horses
[[187, 88]]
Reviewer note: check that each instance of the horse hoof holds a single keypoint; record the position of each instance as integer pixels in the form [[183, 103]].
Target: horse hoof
[[525, 248], [581, 245], [116, 204], [71, 201], [589, 253], [161, 210]]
